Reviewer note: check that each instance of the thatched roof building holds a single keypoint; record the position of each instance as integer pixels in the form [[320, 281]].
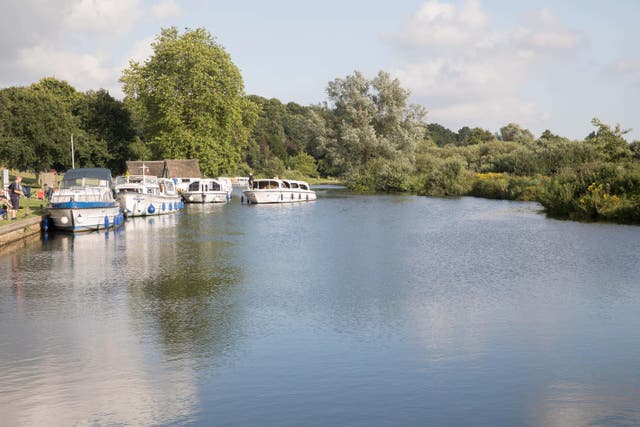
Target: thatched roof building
[[168, 168], [182, 168], [151, 167]]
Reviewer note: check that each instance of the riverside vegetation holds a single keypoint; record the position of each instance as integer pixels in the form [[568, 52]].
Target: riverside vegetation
[[188, 101]]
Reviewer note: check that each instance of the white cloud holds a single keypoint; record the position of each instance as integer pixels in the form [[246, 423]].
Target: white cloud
[[103, 16], [444, 24], [166, 10], [80, 41], [84, 71], [543, 31], [140, 51], [467, 72]]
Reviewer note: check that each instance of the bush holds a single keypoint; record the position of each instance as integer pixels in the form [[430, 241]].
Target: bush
[[273, 167], [503, 186], [305, 164], [381, 175], [446, 178]]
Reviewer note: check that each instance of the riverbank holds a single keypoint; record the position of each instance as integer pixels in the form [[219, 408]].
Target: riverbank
[[13, 231]]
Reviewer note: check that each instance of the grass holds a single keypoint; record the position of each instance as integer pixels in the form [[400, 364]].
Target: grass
[[30, 207]]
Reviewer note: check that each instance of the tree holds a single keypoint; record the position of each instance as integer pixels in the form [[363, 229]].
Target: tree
[[365, 121], [108, 123], [36, 125], [468, 136], [440, 135], [189, 97], [304, 163], [610, 141], [513, 132]]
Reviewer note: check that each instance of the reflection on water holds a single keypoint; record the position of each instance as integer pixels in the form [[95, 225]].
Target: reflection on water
[[354, 310], [184, 303], [589, 404], [89, 312]]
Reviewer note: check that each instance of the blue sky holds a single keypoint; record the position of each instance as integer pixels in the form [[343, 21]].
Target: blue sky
[[543, 64]]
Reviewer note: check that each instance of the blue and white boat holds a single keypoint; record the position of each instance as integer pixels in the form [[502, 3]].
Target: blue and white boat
[[85, 201]]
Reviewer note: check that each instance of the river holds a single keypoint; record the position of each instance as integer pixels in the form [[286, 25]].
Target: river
[[350, 311]]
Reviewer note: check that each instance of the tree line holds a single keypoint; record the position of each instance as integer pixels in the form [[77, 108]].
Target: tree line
[[188, 101]]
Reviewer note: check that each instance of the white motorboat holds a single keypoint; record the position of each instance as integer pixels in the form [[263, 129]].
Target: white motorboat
[[85, 201], [207, 190], [144, 195], [279, 191]]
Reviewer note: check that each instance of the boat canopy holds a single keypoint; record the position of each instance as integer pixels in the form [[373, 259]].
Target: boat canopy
[[99, 177]]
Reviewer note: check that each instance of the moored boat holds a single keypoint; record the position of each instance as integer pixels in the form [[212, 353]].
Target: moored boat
[[85, 201], [207, 190], [144, 195], [279, 191]]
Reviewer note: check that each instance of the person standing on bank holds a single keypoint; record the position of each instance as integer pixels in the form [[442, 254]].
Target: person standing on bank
[[15, 191]]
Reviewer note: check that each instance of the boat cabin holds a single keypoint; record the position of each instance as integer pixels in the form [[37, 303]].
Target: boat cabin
[[204, 185]]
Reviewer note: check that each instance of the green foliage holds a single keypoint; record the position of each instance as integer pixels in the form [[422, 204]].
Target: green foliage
[[38, 121], [444, 177], [273, 167], [365, 120], [440, 135], [596, 191], [304, 163], [279, 131], [467, 136], [610, 142], [108, 126], [189, 97], [513, 132], [509, 187]]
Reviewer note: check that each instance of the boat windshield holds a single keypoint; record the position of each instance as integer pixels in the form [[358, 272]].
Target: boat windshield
[[83, 182], [266, 184], [211, 185]]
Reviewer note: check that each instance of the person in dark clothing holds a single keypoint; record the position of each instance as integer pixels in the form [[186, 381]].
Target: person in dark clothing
[[15, 191], [250, 181], [48, 191]]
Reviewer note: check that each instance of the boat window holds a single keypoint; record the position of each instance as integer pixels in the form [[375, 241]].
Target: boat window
[[194, 186], [304, 186], [294, 185], [214, 186], [285, 184]]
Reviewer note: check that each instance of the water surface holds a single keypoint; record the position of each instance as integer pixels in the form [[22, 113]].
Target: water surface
[[353, 310]]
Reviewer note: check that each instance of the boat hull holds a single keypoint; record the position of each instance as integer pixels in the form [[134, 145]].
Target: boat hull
[[205, 196], [81, 217], [279, 196], [135, 204]]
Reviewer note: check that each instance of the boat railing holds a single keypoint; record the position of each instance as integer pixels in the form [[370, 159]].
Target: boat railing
[[136, 179]]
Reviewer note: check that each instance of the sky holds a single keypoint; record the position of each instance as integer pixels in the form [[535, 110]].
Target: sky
[[479, 63]]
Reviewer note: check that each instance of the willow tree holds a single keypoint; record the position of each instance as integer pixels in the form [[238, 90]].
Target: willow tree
[[189, 98], [367, 121]]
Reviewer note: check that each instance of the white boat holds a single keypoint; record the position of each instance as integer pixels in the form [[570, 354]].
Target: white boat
[[240, 181], [182, 184], [279, 191], [206, 190], [143, 195], [85, 201]]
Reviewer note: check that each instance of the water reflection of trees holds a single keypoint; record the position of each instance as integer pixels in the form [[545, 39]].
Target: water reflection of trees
[[187, 304]]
